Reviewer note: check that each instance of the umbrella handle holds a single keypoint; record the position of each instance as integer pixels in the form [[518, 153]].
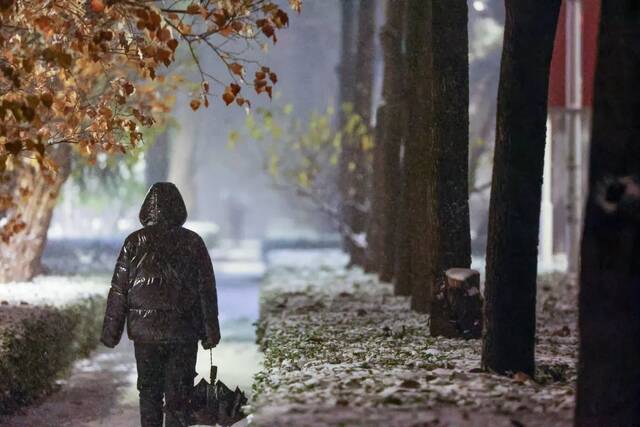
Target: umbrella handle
[[214, 369]]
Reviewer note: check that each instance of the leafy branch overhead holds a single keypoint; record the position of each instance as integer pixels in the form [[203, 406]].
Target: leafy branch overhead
[[94, 73]]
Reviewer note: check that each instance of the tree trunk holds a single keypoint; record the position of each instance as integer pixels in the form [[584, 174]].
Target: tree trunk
[[404, 230], [21, 257], [183, 149], [375, 247], [346, 69], [404, 233], [609, 320], [419, 154], [514, 214], [346, 75], [449, 234], [390, 128], [157, 160], [436, 154], [358, 174]]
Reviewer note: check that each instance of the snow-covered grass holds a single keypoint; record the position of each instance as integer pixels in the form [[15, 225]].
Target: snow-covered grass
[[55, 290], [39, 343], [341, 349], [45, 325]]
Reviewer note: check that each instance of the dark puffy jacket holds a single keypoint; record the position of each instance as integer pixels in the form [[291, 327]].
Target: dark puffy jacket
[[163, 283]]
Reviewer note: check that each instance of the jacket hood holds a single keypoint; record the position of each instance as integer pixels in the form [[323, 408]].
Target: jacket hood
[[163, 205]]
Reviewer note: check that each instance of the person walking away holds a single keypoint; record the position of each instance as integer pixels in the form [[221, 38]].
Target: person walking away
[[164, 288]]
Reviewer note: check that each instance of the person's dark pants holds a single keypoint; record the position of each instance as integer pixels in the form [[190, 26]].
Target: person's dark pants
[[165, 369]]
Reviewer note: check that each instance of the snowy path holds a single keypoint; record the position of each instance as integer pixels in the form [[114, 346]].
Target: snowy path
[[100, 391]]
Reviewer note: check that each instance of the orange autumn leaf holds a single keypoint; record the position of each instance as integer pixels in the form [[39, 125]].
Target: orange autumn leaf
[[97, 6], [234, 88], [102, 72], [194, 9], [228, 97], [236, 68]]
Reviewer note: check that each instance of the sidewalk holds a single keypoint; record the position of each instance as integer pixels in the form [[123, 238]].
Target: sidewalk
[[340, 349], [101, 390]]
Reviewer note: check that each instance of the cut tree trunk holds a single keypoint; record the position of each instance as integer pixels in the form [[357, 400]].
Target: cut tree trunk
[[21, 257], [460, 305], [514, 214], [608, 391], [448, 232]]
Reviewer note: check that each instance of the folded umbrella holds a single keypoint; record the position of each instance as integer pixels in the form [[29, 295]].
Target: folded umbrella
[[214, 403]]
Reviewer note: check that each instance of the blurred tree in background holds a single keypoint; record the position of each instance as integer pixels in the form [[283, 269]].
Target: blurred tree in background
[[86, 77], [354, 173], [302, 156]]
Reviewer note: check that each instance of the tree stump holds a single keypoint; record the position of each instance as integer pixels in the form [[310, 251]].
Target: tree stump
[[456, 310]]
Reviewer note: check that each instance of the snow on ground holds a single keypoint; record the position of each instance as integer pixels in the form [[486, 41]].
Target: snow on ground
[[341, 349], [314, 258], [54, 290]]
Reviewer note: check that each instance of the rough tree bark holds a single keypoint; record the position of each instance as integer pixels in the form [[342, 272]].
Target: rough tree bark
[[375, 248], [418, 152], [404, 232], [390, 126], [609, 320], [514, 214], [354, 158], [436, 157], [449, 233], [21, 257]]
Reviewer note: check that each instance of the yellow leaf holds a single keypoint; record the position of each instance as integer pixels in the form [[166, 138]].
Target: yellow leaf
[[366, 143], [232, 139], [303, 179], [296, 5], [274, 164]]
